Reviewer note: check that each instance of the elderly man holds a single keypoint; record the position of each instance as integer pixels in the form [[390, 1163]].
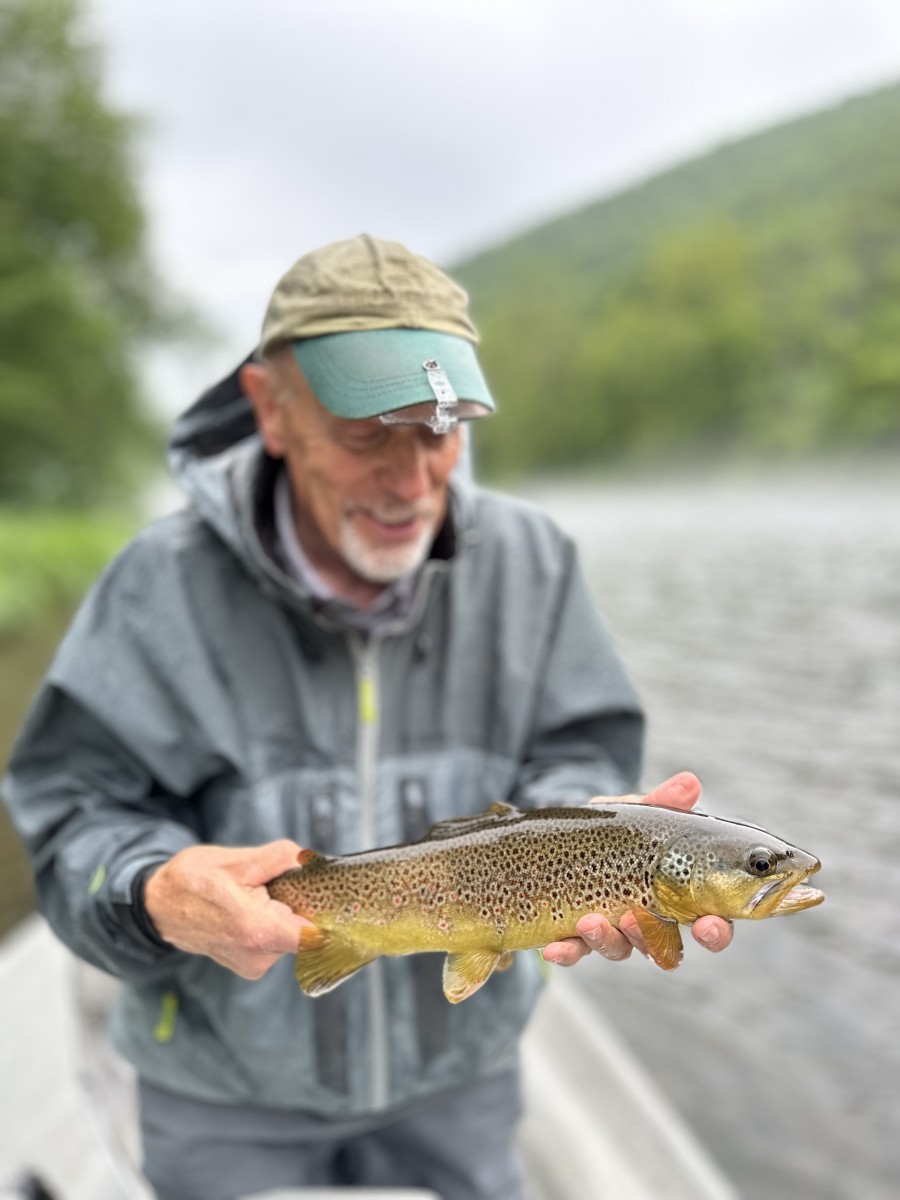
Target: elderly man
[[338, 642]]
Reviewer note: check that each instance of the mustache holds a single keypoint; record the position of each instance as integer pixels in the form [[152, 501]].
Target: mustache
[[392, 513]]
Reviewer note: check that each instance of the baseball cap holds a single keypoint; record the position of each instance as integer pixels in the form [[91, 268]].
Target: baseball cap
[[379, 331]]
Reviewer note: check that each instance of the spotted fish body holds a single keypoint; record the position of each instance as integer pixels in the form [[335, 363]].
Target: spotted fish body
[[479, 888]]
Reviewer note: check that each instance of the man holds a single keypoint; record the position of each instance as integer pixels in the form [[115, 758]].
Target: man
[[336, 644]]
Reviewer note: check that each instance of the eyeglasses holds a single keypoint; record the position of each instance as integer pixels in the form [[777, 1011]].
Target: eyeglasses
[[441, 415]]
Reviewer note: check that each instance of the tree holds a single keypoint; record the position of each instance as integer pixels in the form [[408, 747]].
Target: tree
[[77, 294]]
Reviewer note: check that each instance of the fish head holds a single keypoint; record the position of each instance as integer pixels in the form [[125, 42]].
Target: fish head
[[736, 871]]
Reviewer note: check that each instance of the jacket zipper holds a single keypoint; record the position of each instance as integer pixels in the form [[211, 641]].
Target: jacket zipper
[[365, 654]]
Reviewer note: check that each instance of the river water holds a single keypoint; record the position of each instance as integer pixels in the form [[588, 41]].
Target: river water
[[761, 624]]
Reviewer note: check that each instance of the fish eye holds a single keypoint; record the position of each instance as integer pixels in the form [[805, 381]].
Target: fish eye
[[761, 861]]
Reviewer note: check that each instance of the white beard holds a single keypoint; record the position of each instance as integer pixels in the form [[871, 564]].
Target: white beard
[[383, 564]]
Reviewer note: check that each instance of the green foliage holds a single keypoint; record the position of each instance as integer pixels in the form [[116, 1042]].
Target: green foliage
[[76, 291], [748, 301], [47, 561]]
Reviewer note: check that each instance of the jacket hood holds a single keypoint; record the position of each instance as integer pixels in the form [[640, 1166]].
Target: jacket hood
[[217, 456]]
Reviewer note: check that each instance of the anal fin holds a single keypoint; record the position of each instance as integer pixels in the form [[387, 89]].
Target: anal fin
[[465, 973], [330, 961], [662, 937]]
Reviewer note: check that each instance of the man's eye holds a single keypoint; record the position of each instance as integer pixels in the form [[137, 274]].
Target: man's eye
[[431, 440], [364, 439]]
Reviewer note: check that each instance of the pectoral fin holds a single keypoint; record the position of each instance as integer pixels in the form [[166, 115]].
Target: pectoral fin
[[465, 973], [330, 961], [662, 937]]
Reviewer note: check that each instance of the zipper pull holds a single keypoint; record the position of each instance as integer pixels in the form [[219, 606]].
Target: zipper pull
[[367, 700]]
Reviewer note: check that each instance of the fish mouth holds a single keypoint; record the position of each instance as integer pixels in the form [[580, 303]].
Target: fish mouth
[[785, 895]]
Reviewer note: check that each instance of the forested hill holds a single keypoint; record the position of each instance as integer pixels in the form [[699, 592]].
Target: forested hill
[[746, 302]]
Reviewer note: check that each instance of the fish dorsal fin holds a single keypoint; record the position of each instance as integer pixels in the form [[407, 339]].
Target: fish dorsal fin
[[454, 826], [662, 937], [465, 973], [330, 961]]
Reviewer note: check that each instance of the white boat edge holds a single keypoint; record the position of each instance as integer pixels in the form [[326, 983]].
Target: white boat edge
[[595, 1125]]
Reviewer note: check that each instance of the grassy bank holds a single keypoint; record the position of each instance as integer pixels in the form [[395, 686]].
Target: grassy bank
[[46, 563]]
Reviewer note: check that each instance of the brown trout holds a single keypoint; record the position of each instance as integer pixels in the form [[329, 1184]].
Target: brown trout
[[479, 888]]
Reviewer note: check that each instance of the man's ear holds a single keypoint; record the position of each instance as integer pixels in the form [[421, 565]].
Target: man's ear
[[258, 386]]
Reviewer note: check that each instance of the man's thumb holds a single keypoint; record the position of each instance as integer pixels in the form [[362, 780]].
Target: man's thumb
[[263, 863]]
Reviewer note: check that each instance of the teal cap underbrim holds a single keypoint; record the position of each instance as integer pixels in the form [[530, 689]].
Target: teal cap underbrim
[[372, 371]]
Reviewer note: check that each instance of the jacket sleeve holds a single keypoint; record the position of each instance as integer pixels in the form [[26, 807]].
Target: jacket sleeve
[[587, 730], [102, 777]]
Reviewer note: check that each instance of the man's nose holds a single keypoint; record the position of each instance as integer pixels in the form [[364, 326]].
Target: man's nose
[[405, 471]]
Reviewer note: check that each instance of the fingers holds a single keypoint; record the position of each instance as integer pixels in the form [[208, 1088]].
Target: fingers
[[596, 933], [258, 864], [248, 966], [270, 935], [565, 953], [681, 791], [280, 931], [601, 935], [212, 900], [713, 933]]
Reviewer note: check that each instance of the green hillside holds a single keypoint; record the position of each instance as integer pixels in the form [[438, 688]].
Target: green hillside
[[746, 302]]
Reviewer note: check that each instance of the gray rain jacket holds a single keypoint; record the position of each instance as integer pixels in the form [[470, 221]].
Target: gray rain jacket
[[201, 697]]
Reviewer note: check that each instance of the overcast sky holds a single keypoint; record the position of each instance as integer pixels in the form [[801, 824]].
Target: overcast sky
[[275, 126]]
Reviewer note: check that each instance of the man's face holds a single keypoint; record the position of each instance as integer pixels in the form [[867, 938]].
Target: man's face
[[368, 497]]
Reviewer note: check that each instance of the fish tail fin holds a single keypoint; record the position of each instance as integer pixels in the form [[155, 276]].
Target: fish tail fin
[[328, 962]]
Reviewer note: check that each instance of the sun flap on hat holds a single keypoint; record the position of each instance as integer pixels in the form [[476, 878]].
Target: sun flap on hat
[[371, 372]]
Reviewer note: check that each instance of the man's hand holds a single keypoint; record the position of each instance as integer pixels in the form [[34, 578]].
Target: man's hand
[[212, 900], [596, 933]]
